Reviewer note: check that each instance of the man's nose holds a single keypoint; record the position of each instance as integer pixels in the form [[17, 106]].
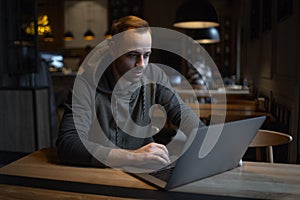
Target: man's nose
[[140, 61]]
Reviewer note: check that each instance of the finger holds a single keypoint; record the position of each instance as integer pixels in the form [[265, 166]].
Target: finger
[[160, 150], [162, 147], [160, 159], [162, 154]]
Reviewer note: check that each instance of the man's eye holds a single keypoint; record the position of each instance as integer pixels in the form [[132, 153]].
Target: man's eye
[[147, 55], [133, 55]]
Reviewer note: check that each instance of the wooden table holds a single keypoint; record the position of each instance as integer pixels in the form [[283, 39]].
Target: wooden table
[[232, 111], [219, 96], [253, 180], [212, 93], [40, 175], [21, 192]]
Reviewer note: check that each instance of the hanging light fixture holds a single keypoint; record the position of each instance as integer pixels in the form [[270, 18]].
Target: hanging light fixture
[[89, 35], [48, 37], [68, 36], [207, 35], [196, 14], [107, 34]]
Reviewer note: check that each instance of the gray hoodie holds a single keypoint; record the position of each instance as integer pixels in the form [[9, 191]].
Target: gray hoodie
[[98, 116]]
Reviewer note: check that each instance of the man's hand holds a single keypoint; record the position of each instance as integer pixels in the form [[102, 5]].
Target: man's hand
[[152, 155]]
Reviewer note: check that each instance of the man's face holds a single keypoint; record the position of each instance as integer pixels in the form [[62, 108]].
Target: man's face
[[137, 46]]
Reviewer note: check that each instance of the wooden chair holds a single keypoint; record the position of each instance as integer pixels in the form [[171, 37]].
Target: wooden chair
[[268, 139]]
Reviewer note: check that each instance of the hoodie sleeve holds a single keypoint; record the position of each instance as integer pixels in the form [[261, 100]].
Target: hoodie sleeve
[[73, 145]]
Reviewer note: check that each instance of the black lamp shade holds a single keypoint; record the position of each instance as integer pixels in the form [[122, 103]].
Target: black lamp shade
[[48, 37], [89, 35], [196, 14], [207, 35], [108, 34], [68, 36]]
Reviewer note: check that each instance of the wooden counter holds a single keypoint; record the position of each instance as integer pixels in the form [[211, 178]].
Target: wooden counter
[[40, 175]]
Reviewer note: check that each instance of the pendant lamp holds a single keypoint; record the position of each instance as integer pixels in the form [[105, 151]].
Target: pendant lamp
[[48, 37], [107, 34], [196, 14], [89, 35], [68, 36], [207, 35]]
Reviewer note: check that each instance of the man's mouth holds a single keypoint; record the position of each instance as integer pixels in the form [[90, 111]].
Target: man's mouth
[[137, 73]]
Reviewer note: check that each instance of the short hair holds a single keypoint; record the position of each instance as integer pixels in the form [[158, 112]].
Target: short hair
[[128, 22]]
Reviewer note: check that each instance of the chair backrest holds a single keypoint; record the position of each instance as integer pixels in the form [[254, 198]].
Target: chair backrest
[[268, 139]]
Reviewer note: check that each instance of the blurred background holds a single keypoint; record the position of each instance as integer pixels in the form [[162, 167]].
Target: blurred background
[[43, 42]]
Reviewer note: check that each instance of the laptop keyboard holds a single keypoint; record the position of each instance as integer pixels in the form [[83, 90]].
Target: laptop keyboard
[[163, 174]]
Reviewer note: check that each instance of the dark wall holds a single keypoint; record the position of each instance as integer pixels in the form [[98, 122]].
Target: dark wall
[[270, 59], [19, 51]]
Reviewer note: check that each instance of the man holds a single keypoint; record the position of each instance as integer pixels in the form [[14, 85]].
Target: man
[[108, 117]]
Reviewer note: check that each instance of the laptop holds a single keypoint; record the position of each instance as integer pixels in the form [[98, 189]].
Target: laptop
[[212, 150]]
